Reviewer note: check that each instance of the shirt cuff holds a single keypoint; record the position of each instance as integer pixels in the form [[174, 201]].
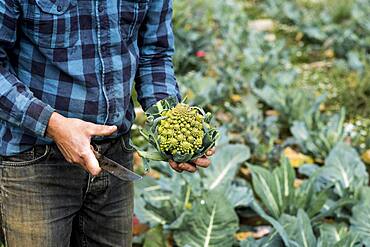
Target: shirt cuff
[[157, 97], [37, 117]]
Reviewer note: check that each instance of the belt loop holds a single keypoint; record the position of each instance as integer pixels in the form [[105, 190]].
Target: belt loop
[[33, 152]]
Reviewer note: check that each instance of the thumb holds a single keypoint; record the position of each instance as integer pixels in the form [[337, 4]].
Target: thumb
[[102, 130], [92, 164]]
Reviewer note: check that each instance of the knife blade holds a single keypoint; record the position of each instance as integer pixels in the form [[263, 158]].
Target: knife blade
[[116, 169]]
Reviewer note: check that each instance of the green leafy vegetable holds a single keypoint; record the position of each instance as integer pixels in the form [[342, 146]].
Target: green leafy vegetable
[[318, 134], [177, 131], [212, 222]]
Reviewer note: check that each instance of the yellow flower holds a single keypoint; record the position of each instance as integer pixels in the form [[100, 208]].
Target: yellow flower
[[366, 156], [329, 53], [297, 159], [235, 98]]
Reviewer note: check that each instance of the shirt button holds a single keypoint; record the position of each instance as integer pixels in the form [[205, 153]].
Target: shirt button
[[104, 48], [101, 8]]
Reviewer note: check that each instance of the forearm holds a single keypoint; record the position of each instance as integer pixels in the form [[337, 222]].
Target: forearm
[[156, 81], [155, 77], [19, 107]]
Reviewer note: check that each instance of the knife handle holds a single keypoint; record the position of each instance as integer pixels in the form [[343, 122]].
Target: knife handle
[[96, 152]]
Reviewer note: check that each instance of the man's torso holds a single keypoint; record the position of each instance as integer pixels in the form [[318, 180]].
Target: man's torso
[[84, 62]]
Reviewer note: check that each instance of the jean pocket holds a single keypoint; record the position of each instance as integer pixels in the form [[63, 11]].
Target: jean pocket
[[26, 158], [52, 23], [132, 14]]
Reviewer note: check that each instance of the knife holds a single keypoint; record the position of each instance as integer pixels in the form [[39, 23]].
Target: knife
[[115, 169]]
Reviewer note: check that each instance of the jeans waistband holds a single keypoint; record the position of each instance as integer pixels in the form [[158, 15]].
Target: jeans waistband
[[101, 145]]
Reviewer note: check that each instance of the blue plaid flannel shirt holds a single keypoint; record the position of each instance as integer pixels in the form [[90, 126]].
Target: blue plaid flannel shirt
[[80, 58]]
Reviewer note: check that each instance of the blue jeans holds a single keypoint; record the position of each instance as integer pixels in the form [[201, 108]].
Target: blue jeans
[[46, 201]]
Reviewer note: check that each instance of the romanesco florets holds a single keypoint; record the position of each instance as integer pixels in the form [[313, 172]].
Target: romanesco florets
[[181, 131]]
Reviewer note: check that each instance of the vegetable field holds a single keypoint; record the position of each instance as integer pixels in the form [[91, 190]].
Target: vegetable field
[[288, 83]]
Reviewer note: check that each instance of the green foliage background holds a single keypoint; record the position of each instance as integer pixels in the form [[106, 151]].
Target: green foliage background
[[277, 74]]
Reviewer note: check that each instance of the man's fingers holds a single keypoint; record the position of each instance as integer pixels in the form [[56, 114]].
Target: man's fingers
[[187, 167], [211, 152], [91, 163], [202, 162], [102, 130], [175, 166]]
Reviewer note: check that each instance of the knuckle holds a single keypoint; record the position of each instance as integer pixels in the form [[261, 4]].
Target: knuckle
[[188, 168], [199, 164], [89, 126], [90, 130], [84, 154], [74, 161]]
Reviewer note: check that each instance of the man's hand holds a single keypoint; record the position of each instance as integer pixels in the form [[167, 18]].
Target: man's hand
[[201, 162], [73, 137]]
